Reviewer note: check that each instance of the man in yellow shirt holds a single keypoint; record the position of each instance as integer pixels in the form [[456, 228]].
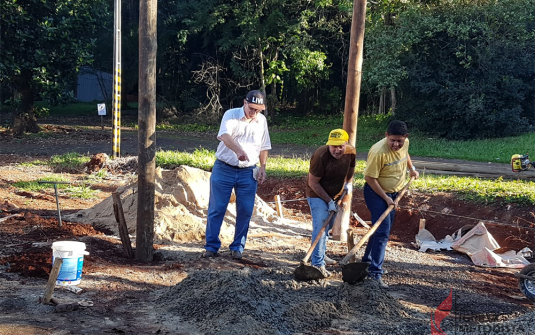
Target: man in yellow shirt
[[385, 175]]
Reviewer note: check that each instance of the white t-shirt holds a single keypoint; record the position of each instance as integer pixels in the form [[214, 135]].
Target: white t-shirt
[[252, 136]]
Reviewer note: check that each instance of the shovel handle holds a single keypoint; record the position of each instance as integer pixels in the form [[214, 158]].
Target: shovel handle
[[370, 232], [316, 240]]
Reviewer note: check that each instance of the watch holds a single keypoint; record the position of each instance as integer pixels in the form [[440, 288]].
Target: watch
[[413, 168]]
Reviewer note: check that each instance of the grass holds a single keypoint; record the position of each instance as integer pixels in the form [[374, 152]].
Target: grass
[[497, 150], [469, 188], [480, 190], [68, 162], [35, 186], [370, 129], [97, 176], [72, 110], [75, 191], [313, 131], [200, 158]]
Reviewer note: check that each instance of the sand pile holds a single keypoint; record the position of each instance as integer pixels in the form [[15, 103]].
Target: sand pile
[[272, 302], [181, 203]]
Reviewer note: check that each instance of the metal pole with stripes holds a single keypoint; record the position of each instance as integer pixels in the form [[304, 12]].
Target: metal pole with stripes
[[117, 80]]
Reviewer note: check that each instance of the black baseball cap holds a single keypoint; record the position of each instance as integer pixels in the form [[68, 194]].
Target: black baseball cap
[[256, 99]]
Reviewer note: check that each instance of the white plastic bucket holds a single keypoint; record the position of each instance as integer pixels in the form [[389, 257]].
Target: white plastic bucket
[[72, 254]]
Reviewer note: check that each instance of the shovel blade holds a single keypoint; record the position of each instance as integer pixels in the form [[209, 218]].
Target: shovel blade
[[353, 273], [307, 272]]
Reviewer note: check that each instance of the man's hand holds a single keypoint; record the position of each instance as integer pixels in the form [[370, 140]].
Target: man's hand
[[261, 175], [414, 173], [390, 202], [332, 206], [242, 156]]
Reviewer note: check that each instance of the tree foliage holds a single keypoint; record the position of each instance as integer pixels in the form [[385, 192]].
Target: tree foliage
[[455, 68], [42, 45], [461, 71], [282, 44]]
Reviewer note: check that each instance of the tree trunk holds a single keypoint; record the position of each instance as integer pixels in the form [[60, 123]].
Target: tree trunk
[[393, 100], [352, 100], [262, 79], [272, 100], [24, 119], [147, 130], [382, 103]]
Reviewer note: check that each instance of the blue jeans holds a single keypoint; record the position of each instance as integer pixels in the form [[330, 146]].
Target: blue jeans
[[225, 178], [376, 247], [320, 212]]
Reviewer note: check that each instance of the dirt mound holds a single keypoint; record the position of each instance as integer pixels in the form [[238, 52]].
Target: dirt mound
[[97, 162], [272, 302], [181, 203]]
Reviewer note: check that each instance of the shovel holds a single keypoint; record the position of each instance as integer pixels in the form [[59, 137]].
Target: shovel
[[308, 272], [353, 273]]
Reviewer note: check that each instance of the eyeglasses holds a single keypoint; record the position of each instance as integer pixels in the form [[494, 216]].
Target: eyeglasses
[[256, 111]]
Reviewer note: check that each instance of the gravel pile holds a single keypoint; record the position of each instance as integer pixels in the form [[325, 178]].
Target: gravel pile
[[272, 302]]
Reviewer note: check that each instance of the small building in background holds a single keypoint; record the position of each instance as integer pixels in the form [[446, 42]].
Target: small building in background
[[94, 85]]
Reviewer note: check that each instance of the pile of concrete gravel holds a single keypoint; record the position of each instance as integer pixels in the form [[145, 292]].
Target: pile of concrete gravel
[[271, 302]]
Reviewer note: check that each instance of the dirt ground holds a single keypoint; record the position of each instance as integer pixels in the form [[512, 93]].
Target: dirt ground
[[180, 293]]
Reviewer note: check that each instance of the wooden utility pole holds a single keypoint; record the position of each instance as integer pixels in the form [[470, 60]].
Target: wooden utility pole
[[351, 110], [147, 130]]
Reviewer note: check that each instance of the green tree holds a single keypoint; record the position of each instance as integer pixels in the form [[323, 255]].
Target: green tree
[[42, 46], [471, 74], [271, 44]]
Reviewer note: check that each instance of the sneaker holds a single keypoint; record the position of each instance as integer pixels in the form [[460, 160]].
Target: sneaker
[[235, 254], [323, 271], [209, 254], [329, 261], [380, 281]]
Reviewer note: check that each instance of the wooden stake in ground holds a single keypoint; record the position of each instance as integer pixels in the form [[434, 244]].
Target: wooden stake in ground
[[351, 110], [422, 224], [278, 205], [362, 222], [351, 244], [49, 290], [147, 130], [121, 221]]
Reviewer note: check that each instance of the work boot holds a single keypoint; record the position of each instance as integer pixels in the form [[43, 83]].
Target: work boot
[[323, 271], [235, 254], [329, 261], [209, 254], [379, 281]]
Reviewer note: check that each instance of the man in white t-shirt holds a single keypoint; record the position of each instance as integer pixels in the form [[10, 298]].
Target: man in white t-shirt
[[244, 143]]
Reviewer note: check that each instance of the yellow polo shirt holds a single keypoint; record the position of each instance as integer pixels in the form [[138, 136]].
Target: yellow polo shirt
[[387, 166]]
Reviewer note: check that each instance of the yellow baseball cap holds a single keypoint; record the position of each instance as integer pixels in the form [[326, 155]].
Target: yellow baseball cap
[[338, 137]]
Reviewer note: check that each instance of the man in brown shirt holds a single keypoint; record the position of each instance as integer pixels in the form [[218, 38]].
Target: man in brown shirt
[[331, 170]]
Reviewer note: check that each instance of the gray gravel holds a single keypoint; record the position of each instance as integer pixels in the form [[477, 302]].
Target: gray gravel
[[269, 301], [272, 302]]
